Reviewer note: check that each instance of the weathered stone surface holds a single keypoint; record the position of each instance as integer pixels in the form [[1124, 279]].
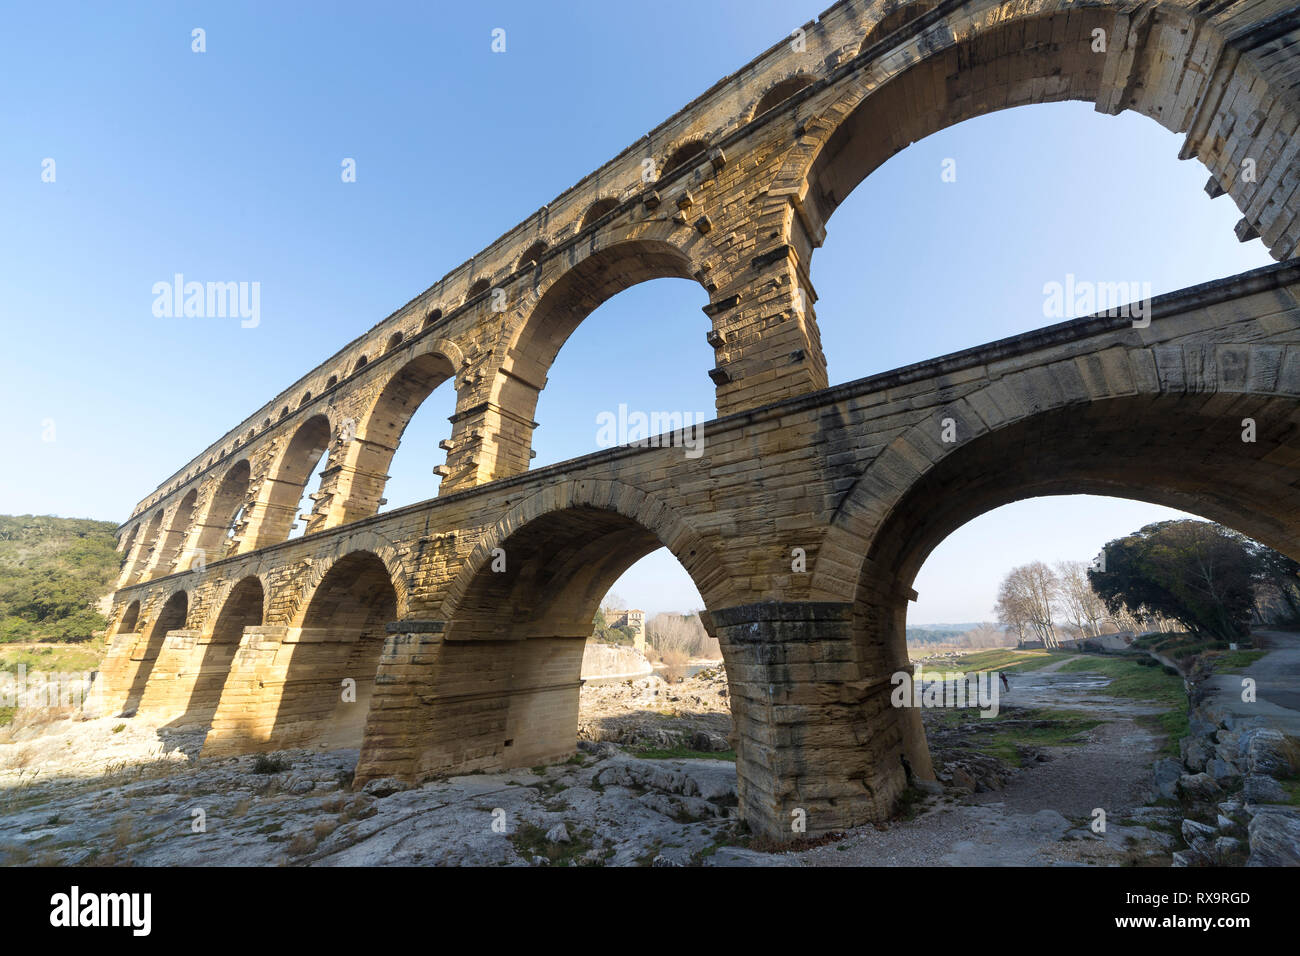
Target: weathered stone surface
[[1198, 788], [1275, 838], [384, 787], [1268, 752], [1167, 773], [1193, 830], [1262, 789]]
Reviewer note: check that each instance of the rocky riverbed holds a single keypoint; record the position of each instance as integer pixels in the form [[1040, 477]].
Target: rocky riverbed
[[653, 783]]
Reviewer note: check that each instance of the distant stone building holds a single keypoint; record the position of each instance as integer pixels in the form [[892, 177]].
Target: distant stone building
[[634, 619]]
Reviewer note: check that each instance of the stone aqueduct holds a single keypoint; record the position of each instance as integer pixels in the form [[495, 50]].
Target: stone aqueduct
[[221, 620]]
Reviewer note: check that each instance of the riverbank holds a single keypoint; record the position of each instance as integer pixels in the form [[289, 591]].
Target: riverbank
[[653, 783]]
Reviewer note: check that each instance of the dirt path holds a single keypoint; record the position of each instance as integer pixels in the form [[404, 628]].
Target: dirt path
[[1042, 816]]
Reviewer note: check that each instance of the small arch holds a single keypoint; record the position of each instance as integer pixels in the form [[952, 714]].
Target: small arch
[[532, 256], [381, 431], [478, 287], [394, 341], [129, 541], [172, 617], [266, 423], [305, 399], [284, 413], [283, 496], [567, 302], [177, 532], [896, 20], [597, 211], [153, 540], [361, 363], [433, 316], [333, 380], [780, 93], [130, 617], [226, 505], [690, 152]]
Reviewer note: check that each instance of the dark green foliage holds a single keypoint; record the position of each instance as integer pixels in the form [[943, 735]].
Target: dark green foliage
[[52, 570], [1195, 572], [604, 634]]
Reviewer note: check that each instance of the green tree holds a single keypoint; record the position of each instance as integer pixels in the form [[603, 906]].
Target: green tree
[[1195, 572], [52, 570]]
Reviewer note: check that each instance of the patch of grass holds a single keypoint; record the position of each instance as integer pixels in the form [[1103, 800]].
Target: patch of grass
[[301, 845], [119, 728], [685, 753], [1004, 659], [1173, 724], [1133, 678], [530, 841], [64, 657], [265, 764], [1142, 679], [1235, 660], [7, 715], [1033, 728]]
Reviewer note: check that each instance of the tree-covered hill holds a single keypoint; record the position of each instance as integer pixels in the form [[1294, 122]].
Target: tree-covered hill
[[52, 571]]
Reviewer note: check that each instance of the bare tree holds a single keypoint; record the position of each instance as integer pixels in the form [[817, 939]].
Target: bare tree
[[1025, 601], [613, 602], [1077, 600], [985, 635], [676, 638], [1011, 610]]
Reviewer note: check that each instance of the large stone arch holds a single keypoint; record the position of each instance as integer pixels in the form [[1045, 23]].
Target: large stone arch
[[1162, 425], [276, 507], [1159, 60], [178, 528], [649, 512], [216, 602], [339, 641], [494, 682], [147, 544], [193, 664], [126, 622], [564, 292], [353, 482], [228, 498], [130, 553], [363, 541], [1238, 374], [308, 682], [172, 615]]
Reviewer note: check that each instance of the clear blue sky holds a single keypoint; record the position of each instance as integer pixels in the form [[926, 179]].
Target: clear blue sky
[[225, 166]]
